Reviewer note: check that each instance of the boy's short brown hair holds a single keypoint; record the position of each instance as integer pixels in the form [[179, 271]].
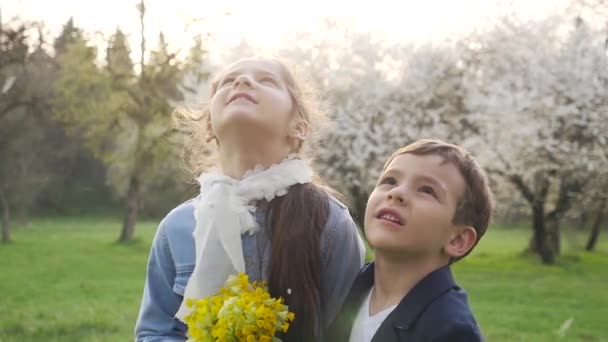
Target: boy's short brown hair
[[475, 206]]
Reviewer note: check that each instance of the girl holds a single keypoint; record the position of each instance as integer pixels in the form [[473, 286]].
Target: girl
[[260, 211]]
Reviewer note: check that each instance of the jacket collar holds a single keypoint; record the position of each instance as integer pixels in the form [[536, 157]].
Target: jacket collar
[[415, 303], [403, 316]]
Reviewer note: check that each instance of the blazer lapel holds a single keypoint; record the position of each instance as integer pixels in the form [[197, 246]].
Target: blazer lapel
[[402, 319], [340, 329]]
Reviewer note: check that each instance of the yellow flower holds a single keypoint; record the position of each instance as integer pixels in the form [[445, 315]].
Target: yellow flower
[[248, 329], [240, 311], [219, 331]]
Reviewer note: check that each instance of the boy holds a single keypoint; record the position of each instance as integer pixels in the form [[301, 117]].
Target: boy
[[429, 209]]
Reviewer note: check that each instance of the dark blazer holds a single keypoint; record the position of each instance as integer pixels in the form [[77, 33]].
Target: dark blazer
[[435, 310]]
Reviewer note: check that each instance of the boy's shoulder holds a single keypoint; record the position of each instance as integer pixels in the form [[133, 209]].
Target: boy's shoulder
[[436, 309], [448, 318]]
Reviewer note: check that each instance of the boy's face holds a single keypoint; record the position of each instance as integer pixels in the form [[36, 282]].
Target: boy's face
[[410, 211]]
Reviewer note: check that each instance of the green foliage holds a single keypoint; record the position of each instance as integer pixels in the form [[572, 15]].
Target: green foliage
[[84, 100], [27, 148], [119, 62], [76, 128], [124, 118], [70, 33], [13, 45]]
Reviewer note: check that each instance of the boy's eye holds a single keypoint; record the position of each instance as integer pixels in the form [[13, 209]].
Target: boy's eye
[[428, 190], [387, 180]]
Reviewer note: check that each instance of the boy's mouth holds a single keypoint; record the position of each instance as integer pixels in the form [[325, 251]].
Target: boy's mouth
[[390, 216]]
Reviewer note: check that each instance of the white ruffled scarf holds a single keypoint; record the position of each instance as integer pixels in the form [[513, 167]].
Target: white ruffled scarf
[[224, 211]]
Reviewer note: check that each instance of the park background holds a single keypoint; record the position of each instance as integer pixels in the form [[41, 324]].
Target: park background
[[90, 162]]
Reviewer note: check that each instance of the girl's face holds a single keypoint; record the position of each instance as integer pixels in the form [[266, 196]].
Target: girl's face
[[252, 98]]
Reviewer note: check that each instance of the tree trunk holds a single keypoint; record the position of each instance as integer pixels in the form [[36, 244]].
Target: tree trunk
[[6, 218], [570, 188], [583, 220], [130, 218], [595, 229], [536, 199], [356, 204], [538, 227], [540, 243], [360, 214], [554, 237]]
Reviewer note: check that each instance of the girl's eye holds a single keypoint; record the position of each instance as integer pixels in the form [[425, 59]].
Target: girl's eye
[[227, 80], [428, 190], [268, 80]]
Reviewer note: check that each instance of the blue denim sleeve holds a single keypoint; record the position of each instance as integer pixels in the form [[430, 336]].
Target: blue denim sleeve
[[160, 302], [343, 254]]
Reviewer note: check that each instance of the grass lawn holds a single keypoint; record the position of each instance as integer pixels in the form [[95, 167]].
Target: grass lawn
[[65, 279]]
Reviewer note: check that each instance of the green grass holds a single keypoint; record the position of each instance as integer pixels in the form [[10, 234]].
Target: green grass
[[67, 280], [515, 298]]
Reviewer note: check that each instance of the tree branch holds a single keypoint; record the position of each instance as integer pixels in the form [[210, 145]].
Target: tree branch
[[14, 105]]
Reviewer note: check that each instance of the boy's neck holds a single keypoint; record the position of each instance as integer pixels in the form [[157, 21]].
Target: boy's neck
[[394, 277]]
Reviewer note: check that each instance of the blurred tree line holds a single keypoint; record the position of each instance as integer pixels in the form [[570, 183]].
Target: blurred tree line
[[82, 133], [527, 98]]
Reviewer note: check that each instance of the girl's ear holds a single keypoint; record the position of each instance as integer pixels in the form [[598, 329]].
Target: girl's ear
[[210, 136], [300, 130]]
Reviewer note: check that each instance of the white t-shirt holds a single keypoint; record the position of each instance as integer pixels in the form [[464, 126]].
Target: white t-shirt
[[365, 326]]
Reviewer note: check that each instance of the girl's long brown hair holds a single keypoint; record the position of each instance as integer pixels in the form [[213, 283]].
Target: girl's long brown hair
[[297, 219]]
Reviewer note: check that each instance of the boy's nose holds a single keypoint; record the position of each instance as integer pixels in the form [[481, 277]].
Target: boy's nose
[[398, 194]]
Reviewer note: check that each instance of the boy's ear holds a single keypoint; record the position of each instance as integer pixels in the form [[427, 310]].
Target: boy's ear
[[461, 242]]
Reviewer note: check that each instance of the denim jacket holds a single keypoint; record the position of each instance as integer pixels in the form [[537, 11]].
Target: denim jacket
[[172, 259]]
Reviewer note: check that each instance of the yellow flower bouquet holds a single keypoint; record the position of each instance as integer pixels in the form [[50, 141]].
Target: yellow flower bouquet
[[240, 312]]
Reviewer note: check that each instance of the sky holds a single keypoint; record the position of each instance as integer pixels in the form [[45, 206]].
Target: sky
[[264, 23]]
